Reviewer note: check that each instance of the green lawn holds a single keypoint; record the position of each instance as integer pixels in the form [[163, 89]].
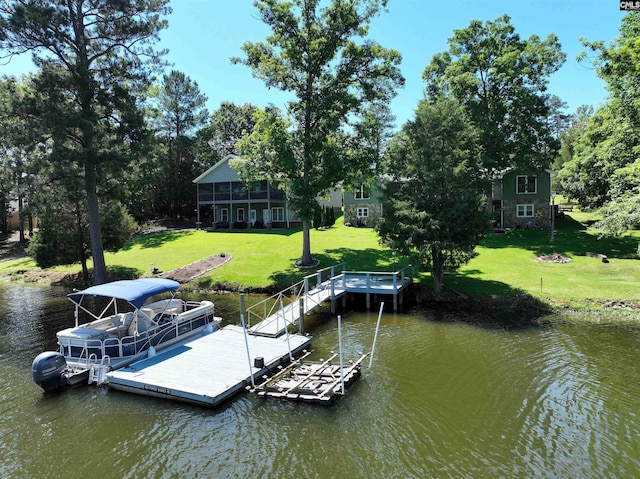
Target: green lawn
[[259, 257], [505, 265]]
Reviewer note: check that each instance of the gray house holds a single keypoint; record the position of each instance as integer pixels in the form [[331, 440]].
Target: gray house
[[226, 202], [521, 199]]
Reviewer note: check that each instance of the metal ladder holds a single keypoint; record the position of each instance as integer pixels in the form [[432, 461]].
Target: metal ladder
[[98, 372]]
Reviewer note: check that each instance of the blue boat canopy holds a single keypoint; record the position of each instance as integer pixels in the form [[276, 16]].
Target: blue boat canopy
[[135, 291]]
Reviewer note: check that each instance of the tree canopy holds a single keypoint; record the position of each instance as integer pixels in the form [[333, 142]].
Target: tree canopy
[[602, 172], [432, 203], [501, 80], [93, 59], [180, 113], [322, 56]]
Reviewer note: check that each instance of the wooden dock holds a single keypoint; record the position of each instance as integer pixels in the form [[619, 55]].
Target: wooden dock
[[284, 310], [208, 369]]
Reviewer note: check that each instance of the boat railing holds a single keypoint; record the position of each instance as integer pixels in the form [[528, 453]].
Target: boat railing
[[131, 344]]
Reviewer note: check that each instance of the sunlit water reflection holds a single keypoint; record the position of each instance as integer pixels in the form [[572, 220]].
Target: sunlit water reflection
[[442, 400]]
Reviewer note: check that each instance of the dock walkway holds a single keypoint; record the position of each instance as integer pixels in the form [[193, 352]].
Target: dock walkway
[[274, 315], [208, 369]]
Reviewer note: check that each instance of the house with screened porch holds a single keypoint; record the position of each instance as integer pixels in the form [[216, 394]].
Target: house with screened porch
[[225, 202]]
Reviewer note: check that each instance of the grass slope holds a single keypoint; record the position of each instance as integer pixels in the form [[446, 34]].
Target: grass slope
[[506, 264]]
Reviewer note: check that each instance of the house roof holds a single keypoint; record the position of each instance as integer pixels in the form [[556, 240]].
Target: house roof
[[500, 174], [215, 167]]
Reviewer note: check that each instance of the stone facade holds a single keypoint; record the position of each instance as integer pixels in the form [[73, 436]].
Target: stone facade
[[374, 210], [541, 218]]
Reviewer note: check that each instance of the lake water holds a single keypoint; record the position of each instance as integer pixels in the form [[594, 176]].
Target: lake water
[[443, 399]]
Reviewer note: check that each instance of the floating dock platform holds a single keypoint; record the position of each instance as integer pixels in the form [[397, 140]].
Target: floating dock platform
[[320, 382], [209, 369]]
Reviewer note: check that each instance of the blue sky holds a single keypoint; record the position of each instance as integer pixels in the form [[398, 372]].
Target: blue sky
[[204, 34]]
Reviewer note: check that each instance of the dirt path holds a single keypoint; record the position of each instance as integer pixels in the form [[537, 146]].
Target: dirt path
[[187, 273]]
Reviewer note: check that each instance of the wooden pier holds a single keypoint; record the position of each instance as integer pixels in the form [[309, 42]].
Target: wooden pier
[[208, 369], [273, 316]]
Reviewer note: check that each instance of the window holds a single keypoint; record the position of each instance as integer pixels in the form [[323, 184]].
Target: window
[[277, 214], [362, 213], [224, 214], [205, 192], [526, 184], [363, 192], [240, 214], [525, 211]]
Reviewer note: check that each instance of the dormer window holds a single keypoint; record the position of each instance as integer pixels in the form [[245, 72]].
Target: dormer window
[[526, 184], [363, 192]]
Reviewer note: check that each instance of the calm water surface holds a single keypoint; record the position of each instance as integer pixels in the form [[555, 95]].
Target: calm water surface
[[442, 400]]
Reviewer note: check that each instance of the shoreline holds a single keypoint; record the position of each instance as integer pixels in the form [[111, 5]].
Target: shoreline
[[505, 311]]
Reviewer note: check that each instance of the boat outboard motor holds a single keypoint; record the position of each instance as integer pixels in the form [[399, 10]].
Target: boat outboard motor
[[47, 370]]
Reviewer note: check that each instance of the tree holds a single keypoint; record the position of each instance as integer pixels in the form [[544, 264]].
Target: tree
[[605, 145], [569, 137], [623, 212], [433, 202], [59, 203], [180, 113], [19, 147], [501, 80], [557, 120], [227, 125], [91, 57], [611, 141], [322, 57]]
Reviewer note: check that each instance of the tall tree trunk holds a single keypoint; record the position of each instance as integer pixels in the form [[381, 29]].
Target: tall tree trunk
[[95, 234], [437, 270], [437, 283], [21, 219], [306, 259]]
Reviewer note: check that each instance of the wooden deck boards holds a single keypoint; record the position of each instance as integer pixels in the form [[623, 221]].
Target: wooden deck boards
[[206, 370]]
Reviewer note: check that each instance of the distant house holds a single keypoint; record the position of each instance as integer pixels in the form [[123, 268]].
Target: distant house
[[362, 205], [224, 201], [13, 218], [521, 199]]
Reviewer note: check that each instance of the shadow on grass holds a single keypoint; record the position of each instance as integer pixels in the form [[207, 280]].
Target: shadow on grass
[[356, 260], [156, 240], [273, 231], [482, 303], [571, 238]]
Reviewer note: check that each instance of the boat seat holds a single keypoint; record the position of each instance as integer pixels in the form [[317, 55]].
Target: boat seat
[[148, 312], [126, 320]]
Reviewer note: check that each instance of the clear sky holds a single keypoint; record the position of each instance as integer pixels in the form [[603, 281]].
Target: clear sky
[[204, 34]]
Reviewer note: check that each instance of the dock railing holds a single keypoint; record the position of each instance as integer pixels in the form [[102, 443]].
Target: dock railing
[[398, 279], [293, 294], [311, 291]]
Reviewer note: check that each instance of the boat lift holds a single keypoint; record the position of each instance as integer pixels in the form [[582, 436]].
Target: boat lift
[[320, 382]]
